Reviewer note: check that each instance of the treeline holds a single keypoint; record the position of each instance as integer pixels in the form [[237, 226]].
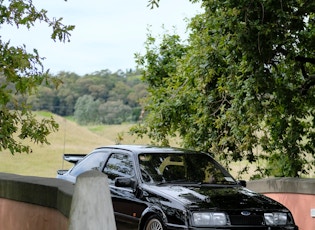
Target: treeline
[[102, 97]]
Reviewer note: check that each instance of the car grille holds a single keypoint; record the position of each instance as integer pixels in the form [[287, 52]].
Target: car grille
[[246, 220]]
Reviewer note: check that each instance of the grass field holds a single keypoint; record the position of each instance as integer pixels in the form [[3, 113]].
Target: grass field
[[45, 160]]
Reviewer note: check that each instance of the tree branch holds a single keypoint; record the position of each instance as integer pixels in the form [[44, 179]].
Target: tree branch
[[305, 59], [309, 79]]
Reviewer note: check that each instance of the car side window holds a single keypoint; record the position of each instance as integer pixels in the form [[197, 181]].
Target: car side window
[[119, 165], [92, 161]]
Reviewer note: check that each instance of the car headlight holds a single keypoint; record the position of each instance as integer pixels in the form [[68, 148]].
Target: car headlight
[[276, 218], [209, 219]]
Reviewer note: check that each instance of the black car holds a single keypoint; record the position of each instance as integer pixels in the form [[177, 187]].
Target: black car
[[169, 188]]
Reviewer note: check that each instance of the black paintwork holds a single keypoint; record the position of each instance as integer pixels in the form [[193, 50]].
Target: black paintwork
[[134, 200]]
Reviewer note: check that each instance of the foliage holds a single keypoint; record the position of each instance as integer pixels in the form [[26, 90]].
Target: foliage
[[20, 74], [243, 86], [90, 111], [105, 89], [114, 112], [86, 110]]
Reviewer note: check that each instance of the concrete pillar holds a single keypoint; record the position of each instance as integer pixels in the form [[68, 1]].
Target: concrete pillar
[[91, 207]]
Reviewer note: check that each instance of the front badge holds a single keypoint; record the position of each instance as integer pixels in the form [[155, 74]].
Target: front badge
[[245, 213]]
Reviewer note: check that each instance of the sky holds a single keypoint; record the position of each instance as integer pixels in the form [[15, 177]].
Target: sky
[[107, 35]]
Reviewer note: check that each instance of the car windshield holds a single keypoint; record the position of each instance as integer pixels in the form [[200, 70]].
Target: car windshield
[[182, 168]]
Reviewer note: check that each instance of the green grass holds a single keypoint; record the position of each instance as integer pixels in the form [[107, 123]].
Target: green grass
[[112, 132], [44, 114], [45, 160]]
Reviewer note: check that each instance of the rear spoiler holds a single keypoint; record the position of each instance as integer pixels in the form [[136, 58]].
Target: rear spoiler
[[73, 158]]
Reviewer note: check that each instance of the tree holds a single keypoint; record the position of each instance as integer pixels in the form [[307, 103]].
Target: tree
[[243, 86], [21, 72], [86, 110], [102, 86], [114, 112]]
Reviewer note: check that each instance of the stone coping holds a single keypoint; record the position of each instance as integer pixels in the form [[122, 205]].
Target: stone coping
[[47, 192], [283, 185]]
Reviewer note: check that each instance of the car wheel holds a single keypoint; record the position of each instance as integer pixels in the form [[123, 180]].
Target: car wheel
[[153, 223]]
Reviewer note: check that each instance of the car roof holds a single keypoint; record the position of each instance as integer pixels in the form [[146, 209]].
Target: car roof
[[146, 149]]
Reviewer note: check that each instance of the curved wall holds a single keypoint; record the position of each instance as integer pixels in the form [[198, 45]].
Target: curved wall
[[34, 203], [37, 203], [15, 215], [297, 194]]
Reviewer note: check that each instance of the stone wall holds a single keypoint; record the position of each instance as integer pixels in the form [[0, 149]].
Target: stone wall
[[15, 215], [297, 194], [35, 203]]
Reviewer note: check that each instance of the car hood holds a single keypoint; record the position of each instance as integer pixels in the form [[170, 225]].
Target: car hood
[[215, 197]]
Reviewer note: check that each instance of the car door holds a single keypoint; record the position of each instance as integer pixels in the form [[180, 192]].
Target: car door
[[127, 207]]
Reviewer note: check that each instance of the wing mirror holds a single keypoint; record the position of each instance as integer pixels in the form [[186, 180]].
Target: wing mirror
[[125, 182], [242, 183]]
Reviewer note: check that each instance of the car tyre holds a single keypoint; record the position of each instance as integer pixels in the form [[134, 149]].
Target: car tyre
[[153, 223]]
